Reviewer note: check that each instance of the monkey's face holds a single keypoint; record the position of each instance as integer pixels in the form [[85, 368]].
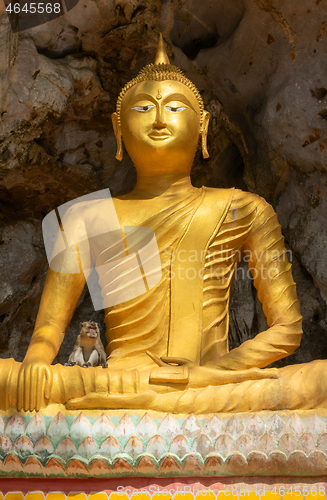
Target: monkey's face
[[90, 329]]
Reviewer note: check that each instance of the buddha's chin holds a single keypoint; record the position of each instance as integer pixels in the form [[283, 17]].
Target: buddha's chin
[[167, 164], [158, 170], [161, 156]]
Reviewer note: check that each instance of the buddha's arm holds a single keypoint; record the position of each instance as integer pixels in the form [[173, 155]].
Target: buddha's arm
[[58, 303], [59, 300], [271, 271], [60, 296]]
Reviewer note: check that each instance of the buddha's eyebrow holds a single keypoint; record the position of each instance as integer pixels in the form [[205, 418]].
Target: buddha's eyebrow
[[178, 97]]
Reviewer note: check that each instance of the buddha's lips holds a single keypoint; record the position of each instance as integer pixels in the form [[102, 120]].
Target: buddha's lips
[[159, 136]]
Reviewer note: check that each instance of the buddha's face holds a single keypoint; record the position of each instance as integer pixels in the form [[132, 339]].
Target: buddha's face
[[160, 127]]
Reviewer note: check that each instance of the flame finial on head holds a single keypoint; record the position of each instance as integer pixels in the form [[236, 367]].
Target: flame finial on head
[[161, 54]]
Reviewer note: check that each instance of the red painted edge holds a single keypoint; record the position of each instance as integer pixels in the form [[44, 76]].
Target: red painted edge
[[94, 485]]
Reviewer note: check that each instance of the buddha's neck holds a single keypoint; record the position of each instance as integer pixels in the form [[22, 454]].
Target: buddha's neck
[[164, 186]]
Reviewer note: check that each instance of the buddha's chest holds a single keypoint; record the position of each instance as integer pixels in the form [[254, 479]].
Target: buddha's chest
[[138, 212]]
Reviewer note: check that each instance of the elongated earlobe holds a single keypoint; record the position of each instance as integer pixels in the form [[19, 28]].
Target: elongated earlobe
[[119, 140], [204, 134], [205, 153], [119, 153]]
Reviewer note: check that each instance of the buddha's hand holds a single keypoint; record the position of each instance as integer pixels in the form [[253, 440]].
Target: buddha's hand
[[184, 371], [202, 376], [34, 384]]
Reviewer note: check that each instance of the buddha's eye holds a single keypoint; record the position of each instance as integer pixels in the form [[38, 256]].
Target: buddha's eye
[[143, 108], [177, 109]]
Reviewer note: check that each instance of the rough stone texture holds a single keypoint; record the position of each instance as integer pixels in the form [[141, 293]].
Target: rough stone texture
[[259, 67]]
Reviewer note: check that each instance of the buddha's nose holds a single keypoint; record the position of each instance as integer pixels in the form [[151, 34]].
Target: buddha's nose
[[159, 125], [159, 122]]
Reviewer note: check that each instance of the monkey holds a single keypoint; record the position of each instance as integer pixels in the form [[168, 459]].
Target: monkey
[[88, 349]]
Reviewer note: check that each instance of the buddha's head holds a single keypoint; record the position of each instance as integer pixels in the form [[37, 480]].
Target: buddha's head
[[160, 117]]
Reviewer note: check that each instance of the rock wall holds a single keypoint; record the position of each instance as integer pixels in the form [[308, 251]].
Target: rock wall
[[259, 67]]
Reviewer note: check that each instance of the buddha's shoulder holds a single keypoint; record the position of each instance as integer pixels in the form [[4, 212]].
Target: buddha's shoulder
[[87, 209], [243, 198], [237, 197], [243, 207]]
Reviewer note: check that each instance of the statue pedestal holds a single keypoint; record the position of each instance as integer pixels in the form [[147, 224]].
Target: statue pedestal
[[57, 443]]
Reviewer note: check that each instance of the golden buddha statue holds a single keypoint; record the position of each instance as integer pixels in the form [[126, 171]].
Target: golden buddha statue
[[168, 348]]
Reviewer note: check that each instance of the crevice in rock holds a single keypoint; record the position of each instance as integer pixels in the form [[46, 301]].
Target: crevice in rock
[[191, 41], [196, 27], [318, 93], [268, 6]]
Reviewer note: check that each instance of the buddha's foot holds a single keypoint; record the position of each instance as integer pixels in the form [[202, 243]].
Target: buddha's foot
[[96, 400]]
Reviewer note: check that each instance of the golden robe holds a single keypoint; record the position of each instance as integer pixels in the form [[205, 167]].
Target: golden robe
[[249, 228]]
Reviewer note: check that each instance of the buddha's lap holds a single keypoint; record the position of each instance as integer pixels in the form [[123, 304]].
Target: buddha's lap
[[298, 387]]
